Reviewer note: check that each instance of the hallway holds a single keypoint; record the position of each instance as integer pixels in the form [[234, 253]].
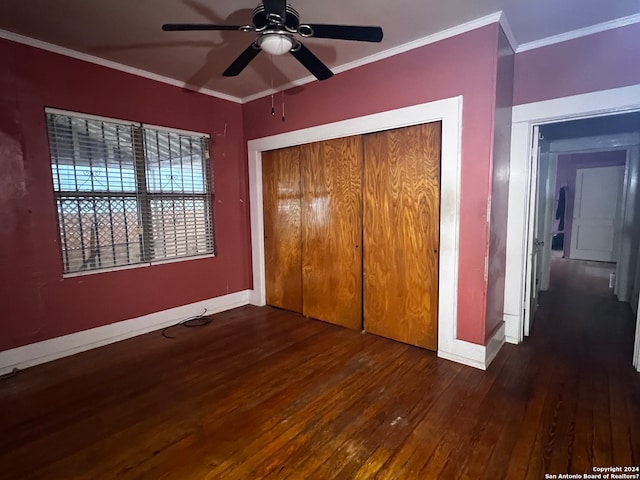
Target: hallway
[[583, 339]]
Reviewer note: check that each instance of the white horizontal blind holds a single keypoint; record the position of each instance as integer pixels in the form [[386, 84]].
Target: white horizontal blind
[[128, 194], [177, 194]]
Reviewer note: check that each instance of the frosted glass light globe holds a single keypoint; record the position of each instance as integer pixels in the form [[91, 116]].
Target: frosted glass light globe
[[276, 44]]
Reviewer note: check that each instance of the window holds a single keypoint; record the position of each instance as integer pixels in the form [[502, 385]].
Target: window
[[128, 193]]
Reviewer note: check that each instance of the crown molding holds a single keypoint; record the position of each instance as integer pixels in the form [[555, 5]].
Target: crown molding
[[32, 42], [506, 28], [497, 17], [581, 32], [420, 42]]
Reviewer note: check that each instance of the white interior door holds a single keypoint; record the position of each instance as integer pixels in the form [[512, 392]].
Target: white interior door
[[595, 230], [539, 171]]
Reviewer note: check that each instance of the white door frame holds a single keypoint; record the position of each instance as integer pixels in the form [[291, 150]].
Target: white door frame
[[449, 111], [524, 117], [530, 284]]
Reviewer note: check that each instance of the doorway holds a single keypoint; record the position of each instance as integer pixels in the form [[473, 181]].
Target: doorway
[[589, 216]]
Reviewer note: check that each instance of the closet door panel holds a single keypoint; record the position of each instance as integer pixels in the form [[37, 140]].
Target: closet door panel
[[401, 233], [332, 231], [282, 228]]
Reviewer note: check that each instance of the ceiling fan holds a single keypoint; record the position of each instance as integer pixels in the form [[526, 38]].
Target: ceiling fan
[[277, 26]]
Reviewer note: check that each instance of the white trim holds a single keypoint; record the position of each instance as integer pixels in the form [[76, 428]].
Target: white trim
[[420, 42], [449, 111], [473, 355], [524, 118], [161, 128], [88, 116], [47, 350], [508, 32], [580, 32], [592, 104], [494, 345], [511, 334], [600, 143], [120, 121], [137, 265], [530, 288], [32, 42]]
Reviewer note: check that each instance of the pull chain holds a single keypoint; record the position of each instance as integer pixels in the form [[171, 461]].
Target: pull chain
[[283, 105], [273, 110]]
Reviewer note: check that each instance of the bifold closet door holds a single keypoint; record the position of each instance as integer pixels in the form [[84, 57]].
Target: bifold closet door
[[401, 233], [331, 174], [281, 197]]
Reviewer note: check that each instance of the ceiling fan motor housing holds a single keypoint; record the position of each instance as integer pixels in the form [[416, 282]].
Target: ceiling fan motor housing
[[277, 26], [291, 21]]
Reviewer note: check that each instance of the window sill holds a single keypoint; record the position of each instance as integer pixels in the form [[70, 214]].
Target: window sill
[[136, 265]]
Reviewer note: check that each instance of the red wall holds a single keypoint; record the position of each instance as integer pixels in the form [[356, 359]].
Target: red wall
[[36, 302], [602, 61], [499, 187], [462, 65]]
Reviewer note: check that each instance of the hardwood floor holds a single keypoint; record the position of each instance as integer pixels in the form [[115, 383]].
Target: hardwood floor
[[264, 393]]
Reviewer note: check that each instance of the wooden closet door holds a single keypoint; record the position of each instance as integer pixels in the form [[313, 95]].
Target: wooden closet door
[[332, 231], [401, 233], [282, 228]]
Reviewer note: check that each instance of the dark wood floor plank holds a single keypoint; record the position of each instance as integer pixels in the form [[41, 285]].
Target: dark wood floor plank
[[266, 393], [348, 446]]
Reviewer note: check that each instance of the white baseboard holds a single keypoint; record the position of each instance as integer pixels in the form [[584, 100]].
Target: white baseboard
[[494, 345], [54, 348], [256, 298], [511, 331], [474, 361], [473, 355]]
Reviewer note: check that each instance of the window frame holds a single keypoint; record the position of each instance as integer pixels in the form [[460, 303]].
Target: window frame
[[139, 130]]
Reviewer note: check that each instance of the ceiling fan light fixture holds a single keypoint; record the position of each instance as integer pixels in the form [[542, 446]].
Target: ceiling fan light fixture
[[275, 43]]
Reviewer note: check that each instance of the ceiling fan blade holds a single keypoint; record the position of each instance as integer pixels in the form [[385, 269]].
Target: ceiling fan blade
[[182, 27], [274, 8], [311, 62], [344, 32], [242, 61]]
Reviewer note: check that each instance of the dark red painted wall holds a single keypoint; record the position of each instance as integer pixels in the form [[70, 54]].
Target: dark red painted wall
[[462, 65], [496, 265], [601, 61], [36, 303]]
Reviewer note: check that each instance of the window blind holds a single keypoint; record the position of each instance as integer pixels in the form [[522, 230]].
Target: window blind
[[128, 193]]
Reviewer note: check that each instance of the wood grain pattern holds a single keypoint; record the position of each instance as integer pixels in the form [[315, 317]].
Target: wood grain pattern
[[331, 174], [266, 393], [401, 233], [282, 228]]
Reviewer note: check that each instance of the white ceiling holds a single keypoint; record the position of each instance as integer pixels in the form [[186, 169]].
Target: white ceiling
[[128, 31]]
